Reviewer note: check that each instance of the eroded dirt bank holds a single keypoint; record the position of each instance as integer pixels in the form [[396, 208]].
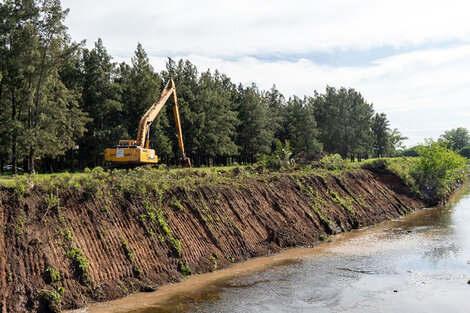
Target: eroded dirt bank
[[72, 248]]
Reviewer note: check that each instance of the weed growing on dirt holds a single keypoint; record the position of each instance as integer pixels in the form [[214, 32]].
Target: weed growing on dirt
[[80, 263], [176, 205], [127, 250], [344, 203], [130, 256], [137, 271], [102, 233], [53, 275], [67, 233], [52, 201], [320, 214], [157, 216], [230, 223], [214, 260], [54, 297], [19, 226], [185, 270]]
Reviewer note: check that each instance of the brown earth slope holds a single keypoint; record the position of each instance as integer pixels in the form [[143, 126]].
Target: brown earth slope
[[73, 248]]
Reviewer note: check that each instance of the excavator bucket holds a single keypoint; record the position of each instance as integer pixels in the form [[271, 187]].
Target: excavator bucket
[[185, 162]]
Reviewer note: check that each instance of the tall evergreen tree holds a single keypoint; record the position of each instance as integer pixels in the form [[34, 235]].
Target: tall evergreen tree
[[101, 100], [34, 48], [344, 120], [381, 132], [301, 125], [277, 113], [255, 132], [218, 120]]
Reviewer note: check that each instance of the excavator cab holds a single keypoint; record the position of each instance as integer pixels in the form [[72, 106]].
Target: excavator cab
[[126, 143], [136, 152]]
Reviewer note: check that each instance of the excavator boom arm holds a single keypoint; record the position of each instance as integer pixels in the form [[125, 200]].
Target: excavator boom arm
[[152, 112]]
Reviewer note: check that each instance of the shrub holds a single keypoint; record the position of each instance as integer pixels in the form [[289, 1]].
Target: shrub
[[279, 159], [185, 270], [333, 162], [51, 201], [437, 170], [465, 152]]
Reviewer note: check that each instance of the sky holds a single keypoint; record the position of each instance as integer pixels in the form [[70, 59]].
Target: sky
[[411, 58]]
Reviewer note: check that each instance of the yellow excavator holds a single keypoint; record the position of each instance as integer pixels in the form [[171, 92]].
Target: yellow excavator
[[130, 153]]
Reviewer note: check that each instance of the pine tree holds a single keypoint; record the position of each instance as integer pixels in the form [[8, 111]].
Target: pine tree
[[34, 47], [380, 129], [301, 125], [101, 100], [255, 132], [344, 121]]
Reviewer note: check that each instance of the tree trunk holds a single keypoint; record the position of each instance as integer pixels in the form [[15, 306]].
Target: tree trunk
[[31, 161], [72, 158], [2, 163], [13, 145]]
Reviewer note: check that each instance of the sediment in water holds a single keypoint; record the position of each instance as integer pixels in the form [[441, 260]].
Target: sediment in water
[[71, 248]]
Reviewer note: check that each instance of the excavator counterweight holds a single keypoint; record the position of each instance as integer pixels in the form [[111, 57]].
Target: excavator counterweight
[[137, 152]]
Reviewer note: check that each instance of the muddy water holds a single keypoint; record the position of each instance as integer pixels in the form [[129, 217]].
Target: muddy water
[[420, 263]]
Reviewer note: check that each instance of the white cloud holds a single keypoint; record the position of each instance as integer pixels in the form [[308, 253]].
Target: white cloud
[[235, 28], [423, 92]]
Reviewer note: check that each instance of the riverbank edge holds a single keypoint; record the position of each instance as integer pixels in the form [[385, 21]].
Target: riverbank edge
[[106, 248], [193, 287]]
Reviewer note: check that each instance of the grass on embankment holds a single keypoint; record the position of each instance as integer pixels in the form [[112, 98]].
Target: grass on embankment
[[431, 176]]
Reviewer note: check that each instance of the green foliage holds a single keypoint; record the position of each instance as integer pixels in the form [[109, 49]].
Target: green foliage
[[79, 262], [19, 226], [333, 162], [214, 260], [176, 205], [67, 234], [53, 275], [410, 152], [53, 296], [302, 130], [185, 270], [344, 119], [127, 250], [51, 201], [39, 115], [465, 152], [385, 141], [255, 132], [76, 255], [346, 204], [398, 166], [437, 170], [279, 159], [456, 139], [157, 216], [100, 99]]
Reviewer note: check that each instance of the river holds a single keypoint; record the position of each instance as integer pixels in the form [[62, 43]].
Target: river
[[419, 263]]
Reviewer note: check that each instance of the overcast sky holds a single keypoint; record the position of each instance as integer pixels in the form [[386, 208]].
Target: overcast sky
[[411, 59]]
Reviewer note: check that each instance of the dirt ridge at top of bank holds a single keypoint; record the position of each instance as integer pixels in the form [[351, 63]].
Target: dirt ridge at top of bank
[[75, 240]]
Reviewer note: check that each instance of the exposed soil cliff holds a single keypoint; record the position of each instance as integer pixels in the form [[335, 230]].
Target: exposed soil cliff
[[69, 248]]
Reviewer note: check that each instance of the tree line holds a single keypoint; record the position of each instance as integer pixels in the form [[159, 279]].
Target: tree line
[[456, 139], [62, 104]]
